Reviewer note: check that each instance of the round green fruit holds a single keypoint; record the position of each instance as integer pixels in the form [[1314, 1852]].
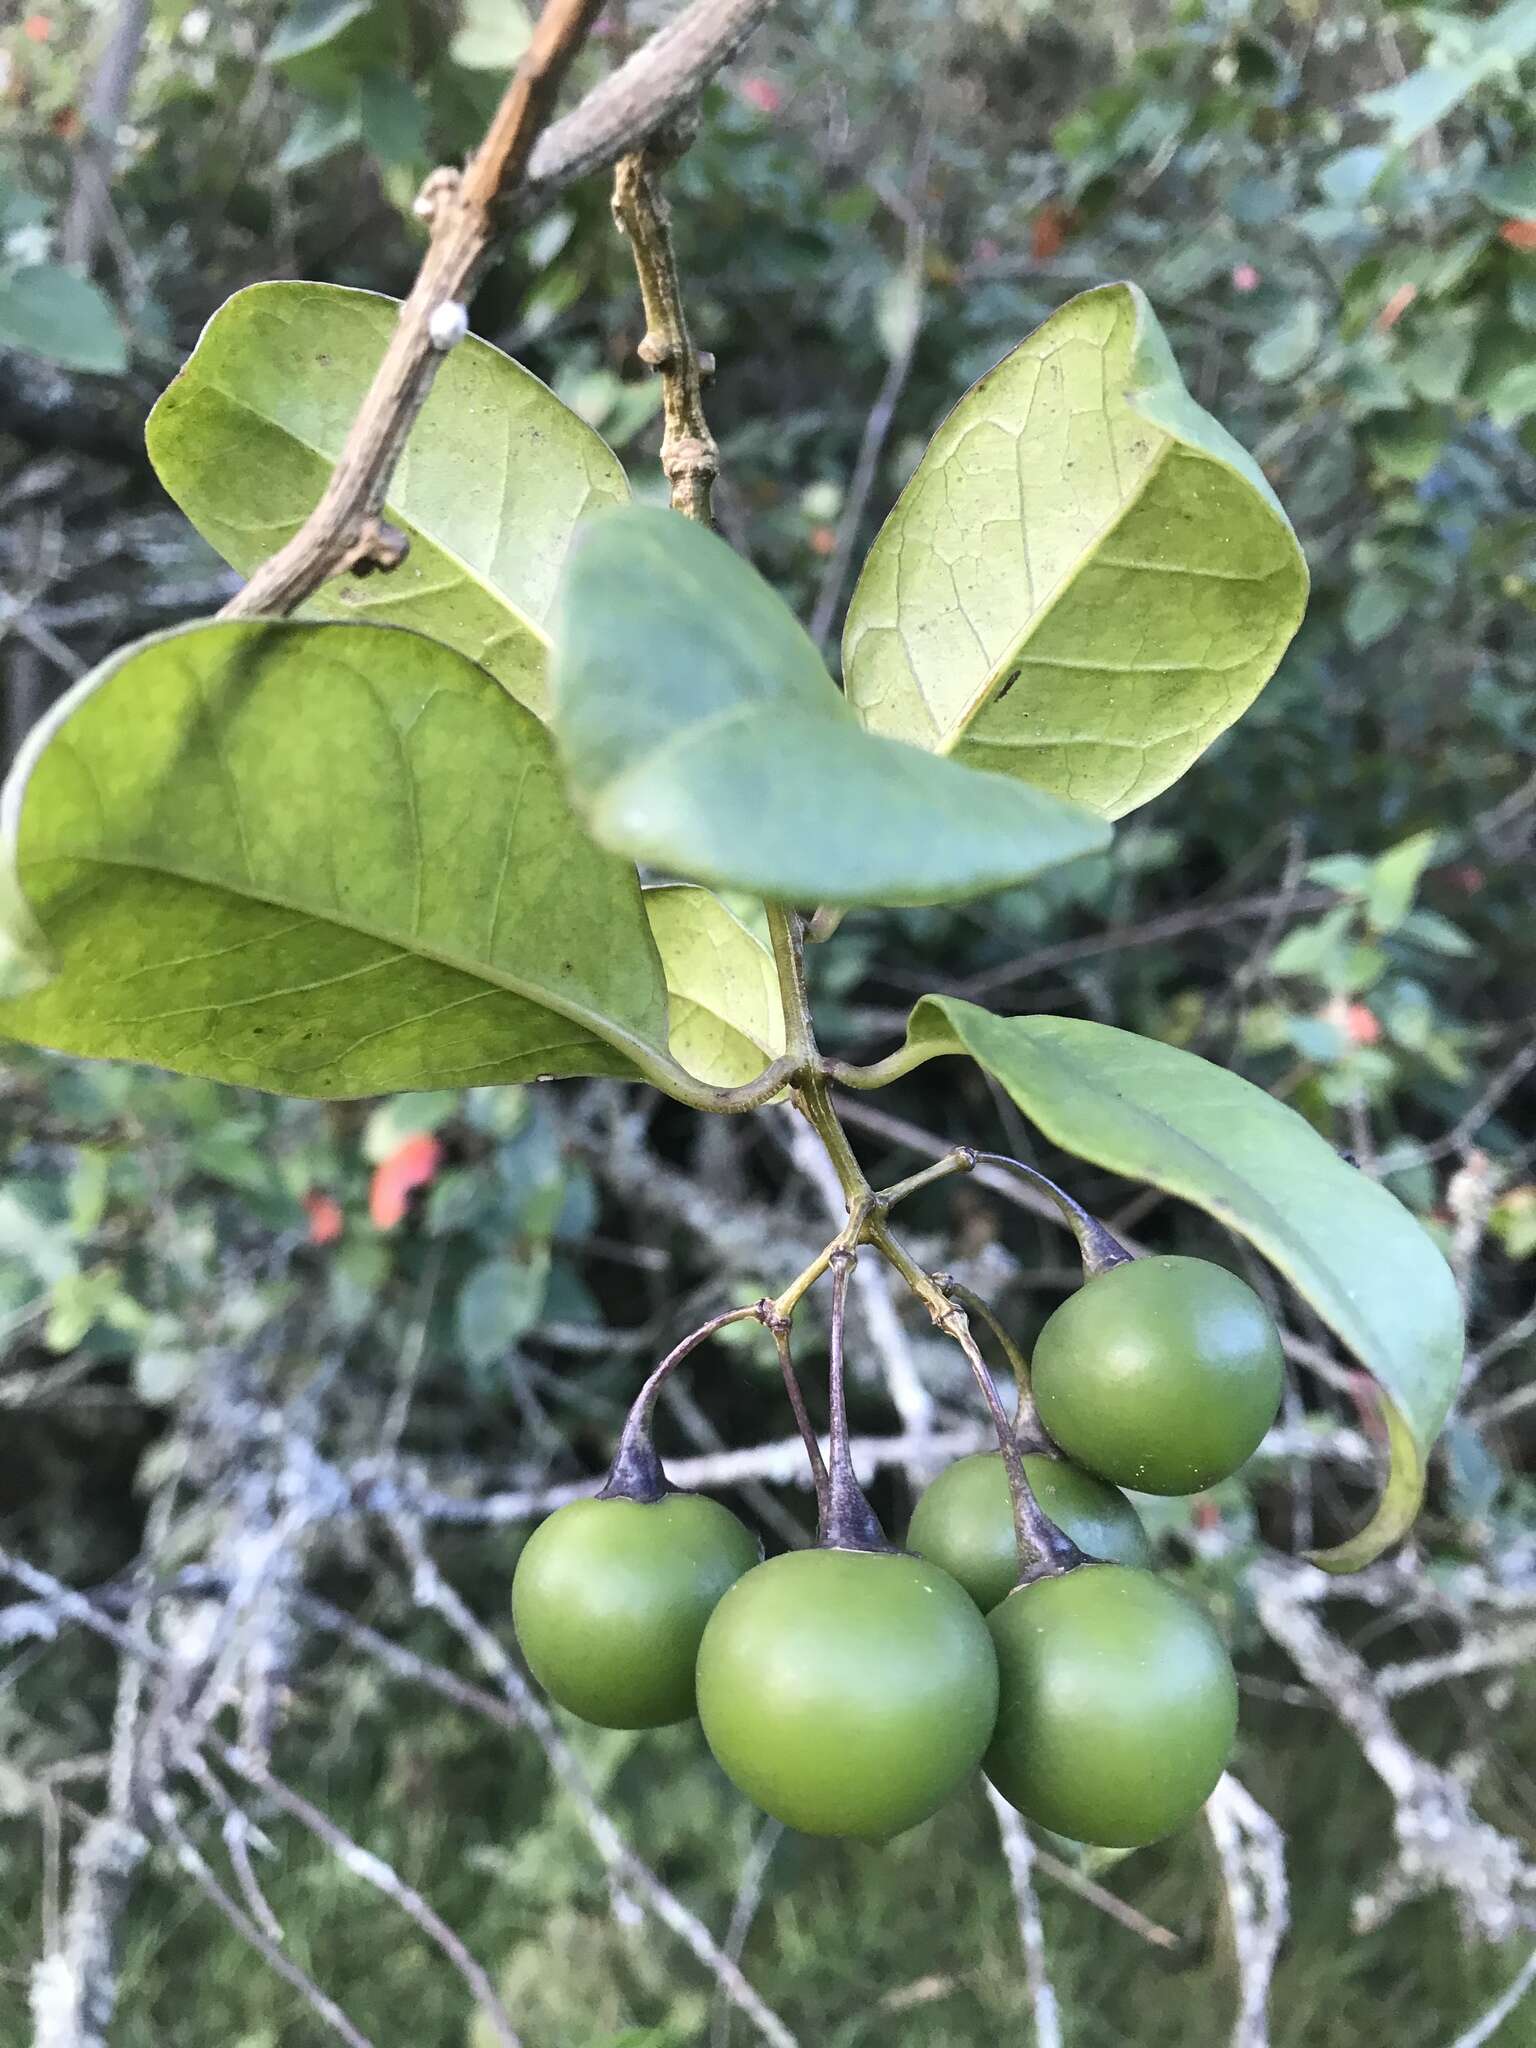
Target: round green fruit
[[610, 1598], [847, 1692], [1117, 1706], [964, 1521], [1161, 1374]]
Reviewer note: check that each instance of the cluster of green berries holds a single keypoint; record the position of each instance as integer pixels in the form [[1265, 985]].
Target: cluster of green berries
[[852, 1691]]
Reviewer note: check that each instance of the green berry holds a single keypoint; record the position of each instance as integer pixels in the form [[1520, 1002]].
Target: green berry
[[610, 1598], [1117, 1705], [964, 1521], [1161, 1374], [847, 1692]]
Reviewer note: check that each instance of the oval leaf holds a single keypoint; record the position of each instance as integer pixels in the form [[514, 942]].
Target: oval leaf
[[496, 474], [56, 314], [324, 859], [1346, 1245], [727, 1016], [1086, 579], [701, 733]]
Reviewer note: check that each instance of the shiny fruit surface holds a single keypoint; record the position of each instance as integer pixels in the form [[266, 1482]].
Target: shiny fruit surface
[[1117, 1706], [847, 1692], [964, 1521], [610, 1598], [1161, 1374]]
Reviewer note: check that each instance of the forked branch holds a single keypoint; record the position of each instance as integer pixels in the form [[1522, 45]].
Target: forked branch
[[347, 530]]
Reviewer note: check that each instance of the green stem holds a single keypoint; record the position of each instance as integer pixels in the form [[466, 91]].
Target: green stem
[[787, 936], [1027, 1427], [880, 1072]]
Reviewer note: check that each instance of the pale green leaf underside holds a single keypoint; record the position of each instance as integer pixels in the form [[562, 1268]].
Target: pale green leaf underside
[[488, 491], [320, 859], [1348, 1247], [1086, 579], [701, 733], [727, 1018]]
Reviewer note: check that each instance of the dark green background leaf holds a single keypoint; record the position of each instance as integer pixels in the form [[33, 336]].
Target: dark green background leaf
[[701, 732], [51, 312], [330, 860], [1348, 1247]]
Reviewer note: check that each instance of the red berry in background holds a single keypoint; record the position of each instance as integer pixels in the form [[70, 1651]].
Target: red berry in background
[[763, 94], [325, 1217], [408, 1167]]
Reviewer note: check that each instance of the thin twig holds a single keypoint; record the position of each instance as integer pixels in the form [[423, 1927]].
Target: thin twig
[[690, 455], [1109, 1903], [433, 1591], [909, 1397], [1019, 1854], [749, 1894], [195, 1865], [1251, 1851], [1175, 924], [373, 1870], [1497, 2013], [106, 102], [346, 530], [877, 429]]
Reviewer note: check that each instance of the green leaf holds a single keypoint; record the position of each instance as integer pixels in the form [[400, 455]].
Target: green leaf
[[701, 733], [492, 35], [1376, 606], [328, 860], [1429, 929], [52, 312], [310, 25], [1513, 396], [1465, 54], [488, 493], [1290, 346], [393, 118], [1348, 1247], [727, 1017], [1395, 879], [1510, 189], [321, 129], [500, 1302], [1086, 579]]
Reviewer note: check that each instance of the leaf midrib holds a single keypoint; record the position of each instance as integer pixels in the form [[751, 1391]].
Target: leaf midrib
[[983, 696], [466, 569], [604, 1028]]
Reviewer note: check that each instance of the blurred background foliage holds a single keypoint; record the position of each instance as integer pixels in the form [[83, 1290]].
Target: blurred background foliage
[[1333, 207]]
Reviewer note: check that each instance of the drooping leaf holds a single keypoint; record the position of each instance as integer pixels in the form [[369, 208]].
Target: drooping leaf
[[326, 860], [1086, 580], [1348, 1247], [727, 1017], [51, 312], [493, 480], [701, 732]]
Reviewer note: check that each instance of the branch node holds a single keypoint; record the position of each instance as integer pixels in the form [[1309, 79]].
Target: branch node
[[379, 546], [438, 193]]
